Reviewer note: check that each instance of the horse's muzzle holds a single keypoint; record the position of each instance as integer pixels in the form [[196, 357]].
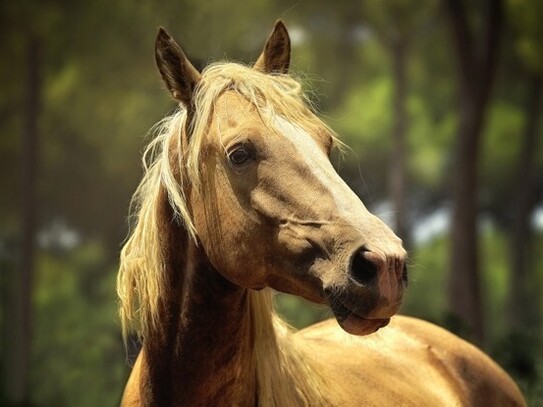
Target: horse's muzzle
[[372, 293]]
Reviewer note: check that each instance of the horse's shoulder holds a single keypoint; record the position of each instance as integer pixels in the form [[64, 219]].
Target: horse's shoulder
[[131, 396], [412, 349]]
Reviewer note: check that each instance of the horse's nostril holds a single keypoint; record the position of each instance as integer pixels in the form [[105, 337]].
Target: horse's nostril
[[363, 270]]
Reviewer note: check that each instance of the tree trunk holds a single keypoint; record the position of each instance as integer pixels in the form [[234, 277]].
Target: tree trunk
[[464, 291], [19, 319], [398, 168], [477, 57], [521, 304]]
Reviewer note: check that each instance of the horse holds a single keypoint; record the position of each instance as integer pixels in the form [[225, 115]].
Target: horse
[[238, 199]]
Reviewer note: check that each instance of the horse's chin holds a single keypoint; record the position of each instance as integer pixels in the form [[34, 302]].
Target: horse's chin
[[357, 325], [352, 322]]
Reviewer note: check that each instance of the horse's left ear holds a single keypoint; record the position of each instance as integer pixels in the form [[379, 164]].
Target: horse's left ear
[[275, 57], [179, 75]]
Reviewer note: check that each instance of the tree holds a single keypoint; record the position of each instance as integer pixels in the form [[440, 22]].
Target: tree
[[17, 324], [476, 51], [396, 25], [527, 29], [20, 321]]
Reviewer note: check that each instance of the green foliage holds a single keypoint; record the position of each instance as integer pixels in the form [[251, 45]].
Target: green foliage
[[519, 352], [78, 354], [424, 297], [366, 118], [298, 312], [526, 20], [502, 141], [496, 278]]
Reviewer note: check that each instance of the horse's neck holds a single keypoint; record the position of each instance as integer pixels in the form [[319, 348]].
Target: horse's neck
[[203, 354], [200, 353], [221, 346], [218, 344]]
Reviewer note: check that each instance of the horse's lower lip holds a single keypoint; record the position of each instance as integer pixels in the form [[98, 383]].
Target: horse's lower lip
[[352, 322], [357, 325]]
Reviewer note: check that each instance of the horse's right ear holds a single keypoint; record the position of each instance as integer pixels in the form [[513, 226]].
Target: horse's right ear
[[275, 57], [177, 72]]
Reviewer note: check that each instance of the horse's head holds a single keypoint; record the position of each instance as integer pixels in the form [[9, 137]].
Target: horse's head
[[267, 206]]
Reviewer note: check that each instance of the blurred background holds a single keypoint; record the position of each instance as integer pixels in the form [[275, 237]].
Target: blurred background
[[440, 101]]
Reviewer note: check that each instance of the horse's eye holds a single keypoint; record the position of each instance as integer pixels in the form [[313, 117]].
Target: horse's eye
[[240, 156]]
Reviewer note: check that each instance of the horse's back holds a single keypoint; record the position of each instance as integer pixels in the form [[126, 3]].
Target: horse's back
[[411, 362]]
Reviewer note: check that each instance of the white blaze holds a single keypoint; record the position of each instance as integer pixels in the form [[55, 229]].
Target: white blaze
[[346, 201]]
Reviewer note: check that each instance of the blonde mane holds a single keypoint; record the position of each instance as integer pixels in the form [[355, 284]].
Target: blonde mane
[[284, 372]]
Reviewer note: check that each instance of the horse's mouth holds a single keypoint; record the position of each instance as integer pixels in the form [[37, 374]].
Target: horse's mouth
[[355, 324]]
